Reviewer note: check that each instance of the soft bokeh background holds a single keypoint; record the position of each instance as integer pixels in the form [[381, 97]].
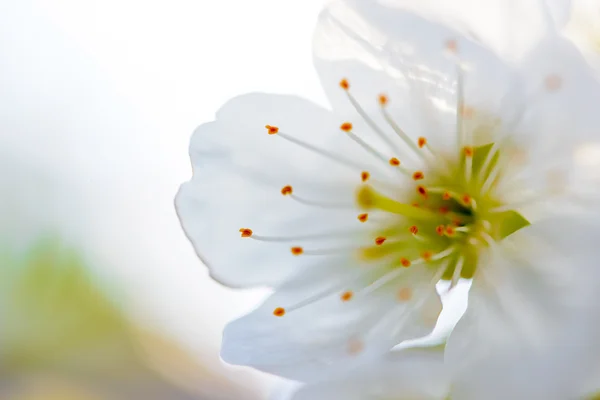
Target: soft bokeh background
[[98, 99]]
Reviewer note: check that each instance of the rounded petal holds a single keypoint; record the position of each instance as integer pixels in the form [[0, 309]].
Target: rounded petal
[[320, 335], [532, 324], [556, 131], [239, 172], [509, 27], [417, 373], [413, 61]]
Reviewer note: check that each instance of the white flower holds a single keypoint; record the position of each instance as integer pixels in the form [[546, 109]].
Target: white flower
[[416, 373], [440, 160], [583, 28], [421, 373]]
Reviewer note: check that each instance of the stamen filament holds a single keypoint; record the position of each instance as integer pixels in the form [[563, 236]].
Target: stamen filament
[[371, 123], [324, 153], [402, 134], [443, 254], [317, 203], [457, 270]]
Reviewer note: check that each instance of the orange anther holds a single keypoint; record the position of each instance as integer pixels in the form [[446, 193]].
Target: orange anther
[[383, 99], [446, 196], [405, 294], [286, 190], [418, 176], [279, 312], [363, 217], [451, 45], [416, 205], [468, 150], [450, 230], [426, 255], [346, 127], [440, 230], [421, 142], [413, 229], [246, 232], [405, 262], [297, 251], [379, 240], [466, 199], [272, 129], [553, 82], [355, 346], [394, 161], [347, 296], [467, 112], [421, 190], [344, 84], [364, 176], [444, 210]]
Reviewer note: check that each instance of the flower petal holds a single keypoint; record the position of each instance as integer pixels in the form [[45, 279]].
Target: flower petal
[[416, 373], [414, 62], [326, 336], [557, 131], [239, 172], [532, 324]]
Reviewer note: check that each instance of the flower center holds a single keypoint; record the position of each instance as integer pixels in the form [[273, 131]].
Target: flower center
[[447, 220]]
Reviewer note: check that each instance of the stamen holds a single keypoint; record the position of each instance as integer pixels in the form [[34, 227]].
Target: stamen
[[316, 203], [344, 84], [383, 99], [444, 253], [364, 176], [421, 142], [450, 231], [279, 312], [401, 133], [413, 229], [347, 127], [379, 240], [457, 270], [394, 162], [287, 190], [418, 175], [382, 135], [272, 129], [426, 255], [460, 103], [245, 232], [297, 251], [440, 229], [405, 262], [331, 156], [347, 296], [363, 217], [405, 294], [388, 277], [422, 190], [468, 151], [368, 198]]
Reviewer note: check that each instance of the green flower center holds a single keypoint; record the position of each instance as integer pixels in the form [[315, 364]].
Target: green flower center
[[446, 222]]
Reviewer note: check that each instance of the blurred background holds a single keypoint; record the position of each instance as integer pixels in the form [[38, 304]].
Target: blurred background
[[101, 295]]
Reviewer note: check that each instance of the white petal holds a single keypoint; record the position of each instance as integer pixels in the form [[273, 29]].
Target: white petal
[[405, 375], [558, 130], [532, 324], [509, 27], [382, 49], [584, 30], [328, 336], [239, 171]]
